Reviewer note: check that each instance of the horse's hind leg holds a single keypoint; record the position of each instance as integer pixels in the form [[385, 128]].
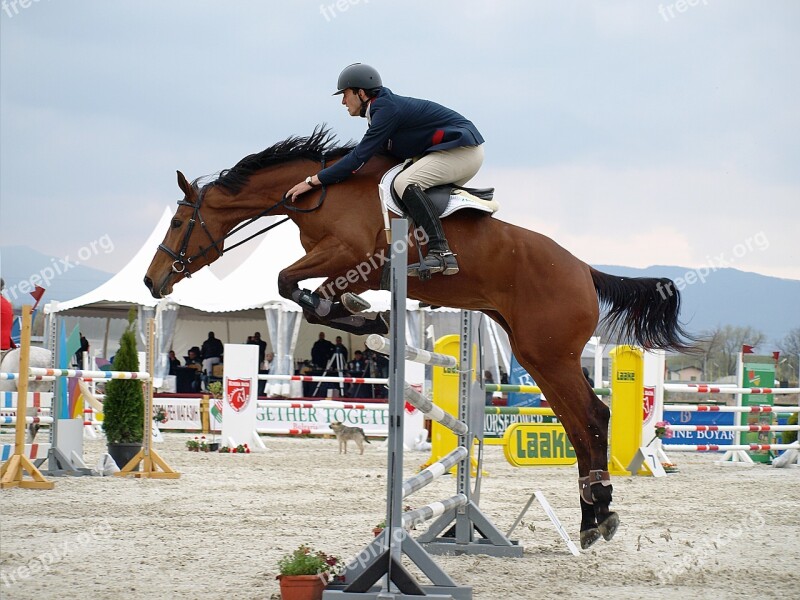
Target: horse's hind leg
[[585, 420]]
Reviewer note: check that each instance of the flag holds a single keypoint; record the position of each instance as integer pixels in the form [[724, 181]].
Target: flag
[[37, 295], [776, 356], [747, 349]]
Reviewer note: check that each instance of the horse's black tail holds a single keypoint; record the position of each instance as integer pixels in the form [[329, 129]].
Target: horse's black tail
[[643, 310]]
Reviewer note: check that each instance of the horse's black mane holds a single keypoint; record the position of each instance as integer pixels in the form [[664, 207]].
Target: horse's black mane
[[320, 143]]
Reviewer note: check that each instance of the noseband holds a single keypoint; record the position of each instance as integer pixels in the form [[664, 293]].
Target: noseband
[[181, 264]]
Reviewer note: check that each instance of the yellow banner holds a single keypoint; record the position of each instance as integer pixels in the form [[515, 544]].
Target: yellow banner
[[538, 445]]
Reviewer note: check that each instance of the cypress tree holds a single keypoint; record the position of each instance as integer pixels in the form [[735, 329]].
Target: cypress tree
[[123, 408]]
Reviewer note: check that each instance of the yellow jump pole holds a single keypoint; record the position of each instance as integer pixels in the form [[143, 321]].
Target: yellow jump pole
[[12, 471], [152, 462]]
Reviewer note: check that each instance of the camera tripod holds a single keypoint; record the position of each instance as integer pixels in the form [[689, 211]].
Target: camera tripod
[[335, 364]]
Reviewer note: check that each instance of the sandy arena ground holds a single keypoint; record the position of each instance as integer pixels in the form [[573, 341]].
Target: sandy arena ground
[[219, 530]]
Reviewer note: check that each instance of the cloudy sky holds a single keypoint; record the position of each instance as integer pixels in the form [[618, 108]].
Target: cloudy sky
[[633, 133]]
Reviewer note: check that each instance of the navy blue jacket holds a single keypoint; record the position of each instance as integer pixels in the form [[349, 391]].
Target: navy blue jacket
[[405, 127]]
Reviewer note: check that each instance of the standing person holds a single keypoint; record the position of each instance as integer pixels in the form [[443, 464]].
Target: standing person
[[211, 353], [6, 321], [356, 368], [445, 148], [341, 349], [83, 349], [321, 351], [174, 363], [262, 346], [586, 375]]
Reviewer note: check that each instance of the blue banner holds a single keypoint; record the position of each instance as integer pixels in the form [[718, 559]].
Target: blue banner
[[520, 376], [719, 438]]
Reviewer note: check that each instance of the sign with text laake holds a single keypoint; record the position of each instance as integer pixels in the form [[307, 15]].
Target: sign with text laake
[[239, 394]]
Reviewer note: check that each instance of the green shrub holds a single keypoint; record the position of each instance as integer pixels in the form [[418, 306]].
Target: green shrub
[[123, 408]]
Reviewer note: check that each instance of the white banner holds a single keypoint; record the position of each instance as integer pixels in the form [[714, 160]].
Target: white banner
[[182, 413], [239, 395]]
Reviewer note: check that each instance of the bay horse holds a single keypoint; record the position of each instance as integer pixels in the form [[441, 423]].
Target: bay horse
[[546, 299]]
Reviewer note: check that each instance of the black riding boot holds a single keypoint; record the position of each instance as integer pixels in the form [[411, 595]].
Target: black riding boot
[[439, 259]]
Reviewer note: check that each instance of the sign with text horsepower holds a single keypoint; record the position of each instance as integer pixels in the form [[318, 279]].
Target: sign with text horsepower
[[538, 445]]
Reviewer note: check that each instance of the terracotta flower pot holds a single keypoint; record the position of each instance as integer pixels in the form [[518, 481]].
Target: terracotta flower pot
[[301, 587]]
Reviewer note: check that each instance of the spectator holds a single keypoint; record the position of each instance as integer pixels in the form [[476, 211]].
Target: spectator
[[341, 349], [321, 351], [262, 346], [488, 378], [193, 361], [264, 368], [81, 351], [174, 363], [269, 357], [589, 379], [192, 358], [211, 353], [357, 368]]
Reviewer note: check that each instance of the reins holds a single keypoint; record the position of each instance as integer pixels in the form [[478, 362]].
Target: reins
[[181, 264]]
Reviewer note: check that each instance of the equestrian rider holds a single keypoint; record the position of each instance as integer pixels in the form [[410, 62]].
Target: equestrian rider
[[444, 146]]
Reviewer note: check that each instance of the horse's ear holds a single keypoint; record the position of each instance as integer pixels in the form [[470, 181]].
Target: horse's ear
[[185, 186]]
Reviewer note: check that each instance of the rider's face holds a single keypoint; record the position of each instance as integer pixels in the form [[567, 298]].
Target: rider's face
[[352, 102]]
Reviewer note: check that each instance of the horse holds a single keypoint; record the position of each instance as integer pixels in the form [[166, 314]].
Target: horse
[[39, 357], [546, 299]]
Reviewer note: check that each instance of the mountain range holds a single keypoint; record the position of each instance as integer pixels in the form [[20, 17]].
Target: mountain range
[[728, 296], [722, 297]]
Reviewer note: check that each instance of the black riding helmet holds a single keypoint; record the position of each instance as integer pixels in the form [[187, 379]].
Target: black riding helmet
[[358, 76]]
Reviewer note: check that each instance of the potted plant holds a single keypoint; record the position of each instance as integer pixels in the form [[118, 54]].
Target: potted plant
[[240, 449], [123, 408], [378, 529], [305, 572]]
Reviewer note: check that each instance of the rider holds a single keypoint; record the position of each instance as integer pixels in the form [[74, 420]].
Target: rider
[[445, 148]]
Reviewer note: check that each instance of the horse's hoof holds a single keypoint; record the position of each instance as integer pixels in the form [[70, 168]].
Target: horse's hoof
[[609, 527], [354, 303], [589, 537]]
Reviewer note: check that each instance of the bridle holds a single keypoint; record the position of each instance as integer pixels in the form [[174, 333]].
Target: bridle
[[181, 264]]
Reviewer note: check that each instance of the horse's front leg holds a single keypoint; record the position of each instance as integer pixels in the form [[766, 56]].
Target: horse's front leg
[[327, 258]]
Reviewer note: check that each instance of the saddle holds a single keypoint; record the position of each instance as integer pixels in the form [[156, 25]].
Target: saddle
[[447, 198]]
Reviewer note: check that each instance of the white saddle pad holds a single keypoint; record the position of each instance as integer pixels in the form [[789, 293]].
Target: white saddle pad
[[458, 199]]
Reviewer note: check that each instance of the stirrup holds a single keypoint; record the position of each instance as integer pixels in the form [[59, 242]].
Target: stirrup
[[436, 261]]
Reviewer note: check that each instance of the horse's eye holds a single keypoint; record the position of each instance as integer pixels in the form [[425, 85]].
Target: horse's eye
[[176, 223]]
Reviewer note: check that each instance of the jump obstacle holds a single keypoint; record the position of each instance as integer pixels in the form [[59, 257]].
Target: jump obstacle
[[381, 559], [629, 428], [19, 462]]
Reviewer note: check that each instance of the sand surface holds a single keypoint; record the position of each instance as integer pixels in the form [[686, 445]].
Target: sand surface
[[219, 530]]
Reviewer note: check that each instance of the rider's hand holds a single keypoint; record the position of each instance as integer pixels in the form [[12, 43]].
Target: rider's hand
[[300, 188]]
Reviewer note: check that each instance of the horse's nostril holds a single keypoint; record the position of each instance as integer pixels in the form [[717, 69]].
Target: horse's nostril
[[148, 282]]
